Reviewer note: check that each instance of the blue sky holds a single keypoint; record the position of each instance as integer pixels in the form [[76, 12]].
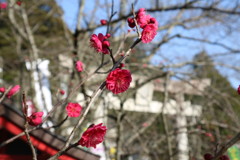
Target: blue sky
[[182, 50], [70, 8]]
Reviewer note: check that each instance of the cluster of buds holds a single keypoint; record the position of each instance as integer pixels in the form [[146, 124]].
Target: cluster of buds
[[147, 23], [14, 90], [100, 43]]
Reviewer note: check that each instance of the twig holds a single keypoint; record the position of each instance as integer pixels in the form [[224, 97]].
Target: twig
[[80, 14], [58, 125], [135, 21], [165, 125], [15, 24], [111, 55], [4, 94], [120, 59], [119, 131], [25, 108], [103, 72], [136, 131], [102, 61], [17, 136], [126, 55], [29, 142], [110, 18], [35, 54], [226, 146]]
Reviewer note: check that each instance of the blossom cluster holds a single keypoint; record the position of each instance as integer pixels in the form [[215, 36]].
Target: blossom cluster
[[35, 119], [147, 23], [93, 135], [90, 138], [119, 79], [14, 90], [100, 43]]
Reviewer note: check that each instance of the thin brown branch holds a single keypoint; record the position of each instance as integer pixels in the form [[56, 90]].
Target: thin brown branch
[[136, 24], [225, 147], [4, 94], [25, 108], [163, 117], [110, 18], [80, 13], [119, 132]]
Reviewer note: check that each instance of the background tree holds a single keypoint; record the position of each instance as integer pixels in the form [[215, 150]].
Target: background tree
[[196, 39]]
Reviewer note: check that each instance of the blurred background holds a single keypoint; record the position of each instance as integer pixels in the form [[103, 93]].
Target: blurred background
[[183, 99]]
